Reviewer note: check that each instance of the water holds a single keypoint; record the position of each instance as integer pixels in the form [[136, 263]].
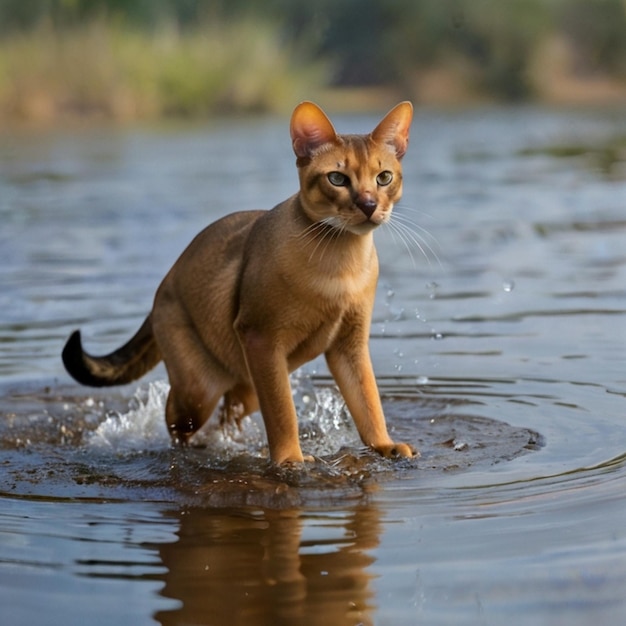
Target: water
[[499, 353]]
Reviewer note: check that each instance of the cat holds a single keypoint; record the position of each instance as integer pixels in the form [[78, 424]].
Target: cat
[[259, 293]]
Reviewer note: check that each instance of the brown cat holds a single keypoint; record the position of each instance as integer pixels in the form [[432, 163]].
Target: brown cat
[[259, 293]]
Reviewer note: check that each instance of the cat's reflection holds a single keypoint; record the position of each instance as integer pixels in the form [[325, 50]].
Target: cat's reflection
[[271, 567]]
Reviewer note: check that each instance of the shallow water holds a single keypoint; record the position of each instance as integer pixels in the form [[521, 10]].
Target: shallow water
[[499, 353]]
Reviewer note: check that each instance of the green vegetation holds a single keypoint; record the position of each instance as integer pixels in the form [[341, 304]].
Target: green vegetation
[[142, 58], [112, 70]]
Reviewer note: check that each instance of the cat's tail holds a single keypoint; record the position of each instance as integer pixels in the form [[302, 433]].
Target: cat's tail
[[122, 366]]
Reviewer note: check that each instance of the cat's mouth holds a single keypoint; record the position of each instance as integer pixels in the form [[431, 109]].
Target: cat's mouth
[[366, 225], [362, 229], [371, 219], [356, 222]]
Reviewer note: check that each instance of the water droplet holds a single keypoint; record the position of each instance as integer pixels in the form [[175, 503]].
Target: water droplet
[[397, 314], [432, 287], [422, 380], [436, 336], [418, 316], [508, 285]]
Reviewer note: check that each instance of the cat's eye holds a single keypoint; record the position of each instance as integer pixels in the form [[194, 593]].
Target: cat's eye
[[338, 179], [384, 178]]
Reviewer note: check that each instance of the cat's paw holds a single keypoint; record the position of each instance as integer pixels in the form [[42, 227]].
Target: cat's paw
[[297, 462], [293, 457], [397, 450]]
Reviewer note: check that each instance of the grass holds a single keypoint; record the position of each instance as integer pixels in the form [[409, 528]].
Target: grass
[[111, 71]]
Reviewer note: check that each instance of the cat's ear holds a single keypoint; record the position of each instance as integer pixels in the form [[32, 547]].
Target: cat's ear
[[393, 130], [310, 129]]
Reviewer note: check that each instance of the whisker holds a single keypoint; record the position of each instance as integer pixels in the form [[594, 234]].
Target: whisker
[[396, 231], [319, 237], [309, 231], [421, 233], [416, 225], [410, 242], [409, 233], [413, 233], [309, 234], [320, 233], [333, 232], [407, 207]]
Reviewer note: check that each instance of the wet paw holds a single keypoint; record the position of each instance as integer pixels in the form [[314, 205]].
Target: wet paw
[[397, 450], [296, 461]]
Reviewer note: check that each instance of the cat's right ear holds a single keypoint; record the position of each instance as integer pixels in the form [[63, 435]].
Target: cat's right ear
[[310, 129]]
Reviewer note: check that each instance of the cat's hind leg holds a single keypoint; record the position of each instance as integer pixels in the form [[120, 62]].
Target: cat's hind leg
[[187, 410], [197, 382]]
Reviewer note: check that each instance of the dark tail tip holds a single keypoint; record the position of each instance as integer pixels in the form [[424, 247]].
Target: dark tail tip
[[72, 352], [74, 361]]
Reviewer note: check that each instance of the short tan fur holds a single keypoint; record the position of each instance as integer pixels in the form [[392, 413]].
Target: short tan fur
[[259, 293]]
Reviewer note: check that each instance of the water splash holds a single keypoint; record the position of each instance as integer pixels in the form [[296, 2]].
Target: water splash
[[142, 427], [325, 424]]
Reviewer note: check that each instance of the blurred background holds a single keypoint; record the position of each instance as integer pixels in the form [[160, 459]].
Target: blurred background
[[147, 59]]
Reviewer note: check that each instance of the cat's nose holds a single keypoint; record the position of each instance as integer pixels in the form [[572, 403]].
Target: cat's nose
[[366, 204]]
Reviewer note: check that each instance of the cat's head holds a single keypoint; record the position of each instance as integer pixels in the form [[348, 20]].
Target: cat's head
[[350, 182]]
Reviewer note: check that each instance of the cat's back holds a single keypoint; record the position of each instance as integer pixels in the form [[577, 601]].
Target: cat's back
[[212, 259], [224, 237]]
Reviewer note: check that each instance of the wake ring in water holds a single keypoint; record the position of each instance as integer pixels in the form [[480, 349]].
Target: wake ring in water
[[71, 446]]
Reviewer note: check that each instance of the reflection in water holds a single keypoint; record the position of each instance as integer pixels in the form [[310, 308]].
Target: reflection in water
[[271, 567]]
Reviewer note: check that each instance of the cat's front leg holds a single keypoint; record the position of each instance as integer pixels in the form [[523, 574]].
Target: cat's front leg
[[350, 364], [268, 368]]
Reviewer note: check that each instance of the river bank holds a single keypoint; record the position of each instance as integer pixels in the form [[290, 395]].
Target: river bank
[[103, 71]]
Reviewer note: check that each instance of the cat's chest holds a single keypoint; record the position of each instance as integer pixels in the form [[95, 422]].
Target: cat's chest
[[338, 290], [340, 278]]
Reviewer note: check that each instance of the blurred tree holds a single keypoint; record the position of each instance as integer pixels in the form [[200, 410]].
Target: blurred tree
[[494, 38], [354, 39], [490, 43], [597, 32]]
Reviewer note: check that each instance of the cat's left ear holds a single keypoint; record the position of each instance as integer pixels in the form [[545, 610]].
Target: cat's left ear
[[393, 130], [310, 129]]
